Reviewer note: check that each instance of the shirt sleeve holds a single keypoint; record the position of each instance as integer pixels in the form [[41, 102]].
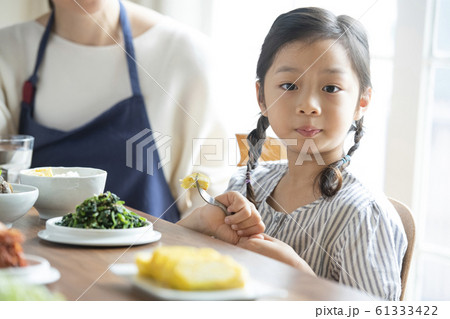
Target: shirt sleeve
[[17, 57], [6, 121], [370, 253]]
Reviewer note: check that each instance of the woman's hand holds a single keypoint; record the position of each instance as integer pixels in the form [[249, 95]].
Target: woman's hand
[[268, 246], [211, 220]]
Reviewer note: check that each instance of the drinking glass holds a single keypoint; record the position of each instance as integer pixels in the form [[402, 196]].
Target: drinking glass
[[15, 155]]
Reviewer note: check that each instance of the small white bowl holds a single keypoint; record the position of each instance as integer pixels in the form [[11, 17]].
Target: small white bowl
[[60, 195], [37, 271], [15, 205]]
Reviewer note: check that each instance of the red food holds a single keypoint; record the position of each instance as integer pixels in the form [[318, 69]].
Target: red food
[[11, 252]]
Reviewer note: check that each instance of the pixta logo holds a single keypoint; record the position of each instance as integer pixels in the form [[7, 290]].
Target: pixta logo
[[148, 148]]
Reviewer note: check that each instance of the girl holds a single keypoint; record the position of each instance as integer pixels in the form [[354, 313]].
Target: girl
[[313, 88]]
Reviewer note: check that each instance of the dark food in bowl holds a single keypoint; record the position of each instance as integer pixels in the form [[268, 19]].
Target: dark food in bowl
[[11, 252], [105, 211], [5, 187]]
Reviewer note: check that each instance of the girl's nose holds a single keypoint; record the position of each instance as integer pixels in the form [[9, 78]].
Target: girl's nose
[[308, 105]]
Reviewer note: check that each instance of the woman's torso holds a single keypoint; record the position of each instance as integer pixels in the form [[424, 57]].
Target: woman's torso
[[173, 66]]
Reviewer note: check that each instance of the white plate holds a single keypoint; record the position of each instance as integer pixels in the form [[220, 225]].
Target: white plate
[[52, 228], [252, 290], [98, 237], [38, 271], [149, 237]]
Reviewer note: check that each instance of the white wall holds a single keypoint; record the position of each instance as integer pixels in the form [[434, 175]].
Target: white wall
[[15, 11]]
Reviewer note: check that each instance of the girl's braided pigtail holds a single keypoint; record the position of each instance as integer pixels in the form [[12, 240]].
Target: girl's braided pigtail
[[359, 132], [330, 179], [255, 140]]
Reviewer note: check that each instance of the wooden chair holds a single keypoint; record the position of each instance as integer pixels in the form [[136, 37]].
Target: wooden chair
[[410, 230], [273, 149]]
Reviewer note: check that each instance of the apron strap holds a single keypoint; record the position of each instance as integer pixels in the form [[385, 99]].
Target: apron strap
[[42, 46], [29, 86], [131, 59]]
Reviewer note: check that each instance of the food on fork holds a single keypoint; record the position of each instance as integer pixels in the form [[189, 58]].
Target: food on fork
[[105, 211], [11, 252], [5, 187], [189, 181], [191, 268]]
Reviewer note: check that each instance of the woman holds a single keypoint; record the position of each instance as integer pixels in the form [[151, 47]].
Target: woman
[[102, 79]]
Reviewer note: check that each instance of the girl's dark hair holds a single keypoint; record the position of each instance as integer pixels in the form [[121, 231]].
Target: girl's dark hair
[[312, 24], [51, 5]]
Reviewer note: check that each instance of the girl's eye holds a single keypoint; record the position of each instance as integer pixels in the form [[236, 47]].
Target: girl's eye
[[289, 86], [331, 89]]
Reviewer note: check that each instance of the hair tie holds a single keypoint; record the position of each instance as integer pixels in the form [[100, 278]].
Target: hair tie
[[247, 178], [345, 159]]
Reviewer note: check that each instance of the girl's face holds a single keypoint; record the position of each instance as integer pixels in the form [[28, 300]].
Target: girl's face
[[311, 92]]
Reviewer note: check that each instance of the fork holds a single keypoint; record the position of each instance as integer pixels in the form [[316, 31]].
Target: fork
[[209, 199]]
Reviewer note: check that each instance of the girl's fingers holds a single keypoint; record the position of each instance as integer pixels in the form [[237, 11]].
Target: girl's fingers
[[268, 238], [257, 229], [246, 219], [240, 204], [247, 211], [234, 201], [257, 236], [249, 222], [230, 198]]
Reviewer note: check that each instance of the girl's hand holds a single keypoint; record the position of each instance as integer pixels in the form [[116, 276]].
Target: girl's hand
[[211, 220], [268, 246]]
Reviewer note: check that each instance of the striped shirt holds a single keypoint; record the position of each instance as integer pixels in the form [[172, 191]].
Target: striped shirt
[[354, 237]]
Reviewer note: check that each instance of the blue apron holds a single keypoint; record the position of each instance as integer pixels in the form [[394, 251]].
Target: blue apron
[[102, 142]]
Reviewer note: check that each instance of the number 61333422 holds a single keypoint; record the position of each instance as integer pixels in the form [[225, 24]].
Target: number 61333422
[[407, 310]]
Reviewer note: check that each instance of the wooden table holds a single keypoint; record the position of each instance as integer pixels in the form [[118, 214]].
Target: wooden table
[[84, 274]]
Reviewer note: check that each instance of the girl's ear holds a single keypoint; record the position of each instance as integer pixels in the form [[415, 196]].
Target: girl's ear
[[363, 104], [260, 98]]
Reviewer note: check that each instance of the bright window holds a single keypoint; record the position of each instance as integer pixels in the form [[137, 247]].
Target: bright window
[[434, 253]]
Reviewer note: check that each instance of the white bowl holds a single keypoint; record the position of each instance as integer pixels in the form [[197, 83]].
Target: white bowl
[[17, 204], [37, 271], [60, 195]]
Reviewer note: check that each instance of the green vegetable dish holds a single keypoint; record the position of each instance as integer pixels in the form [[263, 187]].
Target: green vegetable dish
[[105, 211], [13, 289]]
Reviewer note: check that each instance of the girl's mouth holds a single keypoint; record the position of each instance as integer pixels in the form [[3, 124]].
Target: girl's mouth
[[308, 131]]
